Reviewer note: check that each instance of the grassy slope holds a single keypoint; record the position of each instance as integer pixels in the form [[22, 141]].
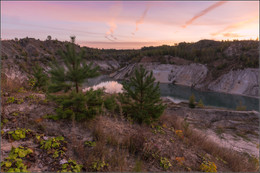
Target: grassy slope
[[124, 145]]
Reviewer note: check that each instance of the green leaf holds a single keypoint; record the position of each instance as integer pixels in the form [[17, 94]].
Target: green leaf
[[22, 153], [15, 137], [64, 166], [29, 151], [8, 164], [22, 135], [12, 170], [56, 154]]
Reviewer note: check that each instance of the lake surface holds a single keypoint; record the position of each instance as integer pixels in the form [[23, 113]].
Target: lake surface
[[178, 93]]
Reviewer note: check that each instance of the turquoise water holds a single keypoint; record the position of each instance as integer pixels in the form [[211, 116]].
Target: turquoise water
[[209, 98], [182, 93]]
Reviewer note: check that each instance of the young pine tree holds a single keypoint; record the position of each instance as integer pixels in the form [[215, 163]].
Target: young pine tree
[[40, 77], [141, 97], [69, 75], [73, 72], [192, 101]]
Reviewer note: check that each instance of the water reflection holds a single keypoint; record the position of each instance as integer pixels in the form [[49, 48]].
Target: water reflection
[[179, 93], [109, 86]]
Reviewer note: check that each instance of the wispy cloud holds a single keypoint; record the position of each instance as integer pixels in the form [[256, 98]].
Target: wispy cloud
[[232, 35], [203, 12], [235, 26], [141, 19], [114, 12]]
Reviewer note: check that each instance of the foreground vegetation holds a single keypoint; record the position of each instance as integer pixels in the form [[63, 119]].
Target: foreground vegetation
[[110, 141]]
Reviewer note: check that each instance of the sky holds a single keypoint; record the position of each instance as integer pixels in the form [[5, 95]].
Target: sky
[[130, 24]]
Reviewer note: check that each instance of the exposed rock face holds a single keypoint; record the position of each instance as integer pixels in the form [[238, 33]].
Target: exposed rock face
[[124, 72], [107, 65], [15, 73], [244, 82], [188, 75], [237, 82]]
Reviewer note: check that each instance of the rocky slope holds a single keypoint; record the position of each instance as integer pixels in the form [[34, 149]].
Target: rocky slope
[[240, 81], [19, 56], [238, 130]]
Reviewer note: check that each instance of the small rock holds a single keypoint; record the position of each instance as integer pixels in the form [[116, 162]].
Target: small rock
[[63, 161]]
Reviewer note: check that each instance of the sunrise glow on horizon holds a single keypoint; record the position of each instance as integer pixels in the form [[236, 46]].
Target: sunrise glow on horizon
[[130, 25]]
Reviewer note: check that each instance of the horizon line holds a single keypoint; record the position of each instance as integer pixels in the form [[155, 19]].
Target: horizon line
[[151, 43]]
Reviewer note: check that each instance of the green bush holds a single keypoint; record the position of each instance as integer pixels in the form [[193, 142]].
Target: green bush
[[192, 101], [200, 104], [19, 133], [71, 166], [165, 163], [40, 79], [80, 106], [111, 104]]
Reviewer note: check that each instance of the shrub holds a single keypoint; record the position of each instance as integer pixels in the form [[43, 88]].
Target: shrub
[[21, 90], [90, 143], [19, 133], [32, 82], [99, 165], [180, 160], [14, 100], [110, 103], [165, 163], [200, 104], [40, 78], [207, 166], [241, 107], [71, 166], [80, 106], [55, 146], [10, 100], [192, 101]]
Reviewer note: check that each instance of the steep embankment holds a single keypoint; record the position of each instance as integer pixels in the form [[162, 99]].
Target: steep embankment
[[20, 56], [240, 81], [237, 82]]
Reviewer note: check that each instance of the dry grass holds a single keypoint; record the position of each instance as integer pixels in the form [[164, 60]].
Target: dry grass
[[134, 143], [236, 161], [117, 160], [107, 149], [11, 86]]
